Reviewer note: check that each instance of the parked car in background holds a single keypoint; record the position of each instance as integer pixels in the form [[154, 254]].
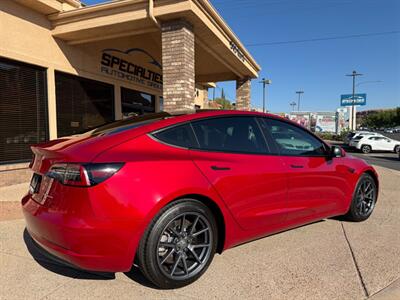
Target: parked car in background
[[365, 129], [359, 135], [166, 192], [354, 134], [389, 130], [376, 143]]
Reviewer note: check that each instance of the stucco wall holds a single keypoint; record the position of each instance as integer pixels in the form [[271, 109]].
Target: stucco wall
[[25, 35]]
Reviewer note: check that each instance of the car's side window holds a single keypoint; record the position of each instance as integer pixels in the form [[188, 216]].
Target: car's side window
[[230, 134], [294, 141], [181, 136]]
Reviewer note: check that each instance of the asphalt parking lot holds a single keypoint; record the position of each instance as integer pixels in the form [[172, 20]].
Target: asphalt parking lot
[[329, 259], [383, 159]]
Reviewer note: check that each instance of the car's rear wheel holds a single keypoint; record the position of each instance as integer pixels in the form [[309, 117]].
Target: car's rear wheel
[[364, 199], [397, 149], [366, 149], [179, 244]]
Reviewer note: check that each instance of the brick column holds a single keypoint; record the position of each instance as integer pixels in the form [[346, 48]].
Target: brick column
[[178, 65], [243, 88]]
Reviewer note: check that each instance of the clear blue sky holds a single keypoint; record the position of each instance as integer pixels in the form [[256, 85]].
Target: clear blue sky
[[318, 68]]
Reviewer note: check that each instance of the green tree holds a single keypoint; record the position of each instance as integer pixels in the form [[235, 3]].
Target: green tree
[[384, 118], [225, 103]]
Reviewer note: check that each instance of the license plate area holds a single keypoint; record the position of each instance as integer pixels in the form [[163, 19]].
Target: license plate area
[[40, 187]]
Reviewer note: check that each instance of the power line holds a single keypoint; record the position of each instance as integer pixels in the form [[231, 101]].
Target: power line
[[340, 37]]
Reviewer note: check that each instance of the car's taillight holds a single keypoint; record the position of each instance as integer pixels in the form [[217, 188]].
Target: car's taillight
[[83, 175]]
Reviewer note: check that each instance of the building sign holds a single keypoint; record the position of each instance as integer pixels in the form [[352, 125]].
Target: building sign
[[348, 100], [134, 65], [235, 49], [325, 122], [342, 119], [303, 119]]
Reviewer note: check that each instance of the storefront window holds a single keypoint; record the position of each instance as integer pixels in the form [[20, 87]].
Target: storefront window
[[23, 110], [82, 104], [161, 104], [135, 103]]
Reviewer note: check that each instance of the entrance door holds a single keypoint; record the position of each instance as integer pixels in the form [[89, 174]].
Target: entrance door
[[136, 103]]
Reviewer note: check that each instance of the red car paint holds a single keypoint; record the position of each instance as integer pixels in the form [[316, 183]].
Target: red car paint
[[99, 227]]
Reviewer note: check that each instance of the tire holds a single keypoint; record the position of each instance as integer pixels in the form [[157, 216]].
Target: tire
[[362, 207], [170, 257], [366, 149], [397, 149]]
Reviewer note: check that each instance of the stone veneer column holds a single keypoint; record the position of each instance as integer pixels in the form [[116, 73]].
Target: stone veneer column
[[243, 88], [178, 65]]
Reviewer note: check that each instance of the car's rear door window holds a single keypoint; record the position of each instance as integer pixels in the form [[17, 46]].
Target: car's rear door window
[[230, 134], [180, 135]]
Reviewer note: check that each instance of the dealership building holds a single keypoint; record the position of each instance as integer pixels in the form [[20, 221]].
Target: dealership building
[[66, 67]]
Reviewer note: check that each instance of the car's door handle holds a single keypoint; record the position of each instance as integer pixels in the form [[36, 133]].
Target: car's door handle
[[216, 168], [296, 166]]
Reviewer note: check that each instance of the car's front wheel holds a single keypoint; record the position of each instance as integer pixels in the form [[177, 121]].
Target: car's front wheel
[[364, 199], [397, 149], [366, 149], [179, 244]]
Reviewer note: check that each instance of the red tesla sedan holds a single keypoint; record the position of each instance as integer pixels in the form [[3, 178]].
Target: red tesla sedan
[[166, 192]]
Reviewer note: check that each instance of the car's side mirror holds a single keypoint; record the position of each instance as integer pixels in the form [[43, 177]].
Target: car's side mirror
[[337, 151]]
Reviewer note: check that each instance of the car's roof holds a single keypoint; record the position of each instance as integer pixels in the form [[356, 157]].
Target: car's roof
[[126, 129], [157, 121], [172, 117], [181, 117]]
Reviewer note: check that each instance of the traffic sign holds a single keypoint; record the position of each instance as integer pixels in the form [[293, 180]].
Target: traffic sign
[[347, 100]]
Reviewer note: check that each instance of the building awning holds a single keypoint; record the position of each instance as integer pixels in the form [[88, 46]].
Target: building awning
[[219, 55]]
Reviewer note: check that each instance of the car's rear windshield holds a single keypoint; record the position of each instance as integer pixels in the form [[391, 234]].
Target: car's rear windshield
[[127, 124]]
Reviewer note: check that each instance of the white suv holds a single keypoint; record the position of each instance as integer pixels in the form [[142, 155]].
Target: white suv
[[361, 134], [377, 143]]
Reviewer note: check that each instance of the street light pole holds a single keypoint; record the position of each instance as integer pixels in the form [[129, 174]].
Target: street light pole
[[265, 82], [354, 74], [298, 101], [292, 104]]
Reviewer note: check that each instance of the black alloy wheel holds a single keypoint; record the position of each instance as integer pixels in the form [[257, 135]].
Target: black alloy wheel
[[364, 199], [184, 246], [179, 244]]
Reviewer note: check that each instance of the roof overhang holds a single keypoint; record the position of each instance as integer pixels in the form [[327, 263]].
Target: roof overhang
[[117, 19], [48, 7]]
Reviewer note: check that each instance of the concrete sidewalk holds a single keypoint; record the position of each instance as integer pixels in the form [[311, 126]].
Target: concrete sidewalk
[[325, 260], [13, 192], [10, 197]]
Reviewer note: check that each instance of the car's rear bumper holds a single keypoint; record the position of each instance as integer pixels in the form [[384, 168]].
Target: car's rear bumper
[[86, 242]]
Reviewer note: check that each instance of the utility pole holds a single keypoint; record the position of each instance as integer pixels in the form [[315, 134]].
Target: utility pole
[[293, 105], [265, 82], [353, 118], [298, 101]]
